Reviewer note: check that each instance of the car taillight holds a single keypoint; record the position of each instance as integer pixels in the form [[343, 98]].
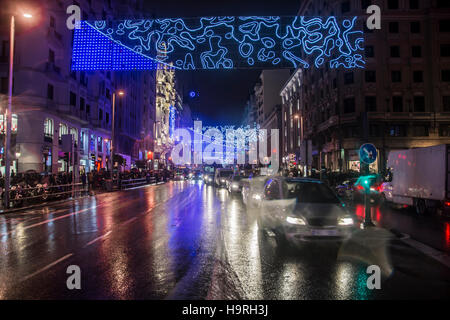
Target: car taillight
[[447, 203], [378, 188], [360, 187]]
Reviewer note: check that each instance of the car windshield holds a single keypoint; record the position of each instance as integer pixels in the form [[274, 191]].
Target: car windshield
[[311, 192]]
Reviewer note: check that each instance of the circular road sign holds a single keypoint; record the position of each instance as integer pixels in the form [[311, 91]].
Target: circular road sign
[[368, 153]]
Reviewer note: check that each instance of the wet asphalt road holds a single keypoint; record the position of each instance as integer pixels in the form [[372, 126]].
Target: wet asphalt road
[[185, 240]]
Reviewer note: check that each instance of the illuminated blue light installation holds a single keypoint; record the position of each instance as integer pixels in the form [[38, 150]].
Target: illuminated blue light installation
[[219, 43]]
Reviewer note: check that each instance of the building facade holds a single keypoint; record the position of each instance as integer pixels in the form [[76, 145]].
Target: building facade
[[263, 107], [267, 92], [250, 111], [168, 103], [400, 100], [50, 100]]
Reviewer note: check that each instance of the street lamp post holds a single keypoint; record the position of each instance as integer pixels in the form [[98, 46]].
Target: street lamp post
[[8, 113], [113, 120]]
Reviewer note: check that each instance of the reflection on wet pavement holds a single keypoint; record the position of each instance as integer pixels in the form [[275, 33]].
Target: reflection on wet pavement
[[185, 240]]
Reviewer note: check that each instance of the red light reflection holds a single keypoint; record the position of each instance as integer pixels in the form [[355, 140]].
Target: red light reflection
[[447, 234]]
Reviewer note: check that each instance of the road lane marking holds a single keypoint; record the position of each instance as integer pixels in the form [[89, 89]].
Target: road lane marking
[[428, 251], [49, 220], [47, 267], [97, 239]]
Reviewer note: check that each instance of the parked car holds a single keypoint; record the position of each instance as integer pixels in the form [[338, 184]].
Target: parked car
[[345, 189], [300, 209]]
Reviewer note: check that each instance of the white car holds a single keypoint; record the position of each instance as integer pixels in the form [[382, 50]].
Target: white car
[[298, 209], [252, 191]]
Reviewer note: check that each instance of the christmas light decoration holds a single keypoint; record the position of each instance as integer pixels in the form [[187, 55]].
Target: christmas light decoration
[[219, 43]]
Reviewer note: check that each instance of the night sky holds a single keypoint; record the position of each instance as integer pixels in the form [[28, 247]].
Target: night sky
[[221, 93]]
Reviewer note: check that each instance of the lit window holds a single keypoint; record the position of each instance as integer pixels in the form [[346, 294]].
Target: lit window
[[48, 127], [62, 130]]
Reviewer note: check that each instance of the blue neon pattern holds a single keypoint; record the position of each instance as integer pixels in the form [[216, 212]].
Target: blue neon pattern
[[218, 43]]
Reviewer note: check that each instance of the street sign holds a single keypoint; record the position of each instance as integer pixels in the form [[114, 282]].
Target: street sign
[[368, 153]]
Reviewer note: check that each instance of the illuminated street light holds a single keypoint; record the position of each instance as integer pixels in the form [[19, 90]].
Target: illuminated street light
[[28, 15]]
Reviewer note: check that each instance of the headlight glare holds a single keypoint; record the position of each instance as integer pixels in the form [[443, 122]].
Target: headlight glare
[[295, 220], [347, 221]]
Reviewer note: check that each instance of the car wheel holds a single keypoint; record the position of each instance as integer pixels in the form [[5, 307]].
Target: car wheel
[[421, 208], [280, 238]]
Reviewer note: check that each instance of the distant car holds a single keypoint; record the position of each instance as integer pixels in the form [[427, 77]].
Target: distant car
[[375, 183], [300, 209], [252, 190], [208, 178], [179, 176], [196, 175], [221, 176], [234, 184]]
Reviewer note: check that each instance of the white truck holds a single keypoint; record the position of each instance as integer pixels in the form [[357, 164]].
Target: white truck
[[420, 178]]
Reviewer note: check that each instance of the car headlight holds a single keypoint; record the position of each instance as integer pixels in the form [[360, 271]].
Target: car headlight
[[234, 185], [222, 180], [257, 196], [295, 220], [182, 177], [347, 221]]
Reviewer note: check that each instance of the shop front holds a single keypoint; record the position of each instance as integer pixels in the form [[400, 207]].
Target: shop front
[[355, 165]]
